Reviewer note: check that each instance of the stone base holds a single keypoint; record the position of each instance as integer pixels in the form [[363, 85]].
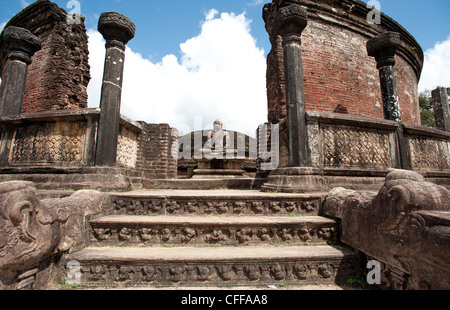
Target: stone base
[[217, 173], [306, 179], [219, 168], [208, 184], [75, 178]]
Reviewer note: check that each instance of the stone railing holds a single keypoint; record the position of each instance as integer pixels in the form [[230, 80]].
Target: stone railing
[[356, 152], [61, 138], [403, 229], [59, 148]]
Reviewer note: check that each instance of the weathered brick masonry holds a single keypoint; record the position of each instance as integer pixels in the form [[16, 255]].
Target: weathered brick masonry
[[339, 76], [155, 145], [59, 74]]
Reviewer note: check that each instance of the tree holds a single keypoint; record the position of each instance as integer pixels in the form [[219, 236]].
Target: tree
[[426, 109]]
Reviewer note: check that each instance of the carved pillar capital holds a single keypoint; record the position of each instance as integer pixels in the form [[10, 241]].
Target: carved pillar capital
[[116, 28], [383, 47], [290, 22], [19, 44]]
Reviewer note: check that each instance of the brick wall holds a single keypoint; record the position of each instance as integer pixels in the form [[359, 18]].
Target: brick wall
[[156, 144], [339, 75], [59, 74]]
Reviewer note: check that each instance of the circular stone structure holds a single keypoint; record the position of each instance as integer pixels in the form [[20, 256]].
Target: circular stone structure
[[339, 75]]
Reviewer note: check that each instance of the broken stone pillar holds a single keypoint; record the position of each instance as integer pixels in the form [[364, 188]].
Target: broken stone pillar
[[290, 21], [441, 108], [18, 45], [117, 30], [383, 48]]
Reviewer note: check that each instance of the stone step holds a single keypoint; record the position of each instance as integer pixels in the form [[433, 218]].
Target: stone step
[[122, 267], [74, 178], [128, 230], [215, 202], [242, 183]]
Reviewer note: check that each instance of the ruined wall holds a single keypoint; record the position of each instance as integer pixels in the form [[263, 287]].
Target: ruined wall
[[59, 74], [155, 145], [339, 76]]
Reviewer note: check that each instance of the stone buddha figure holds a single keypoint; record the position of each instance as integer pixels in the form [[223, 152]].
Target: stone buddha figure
[[219, 157], [218, 139]]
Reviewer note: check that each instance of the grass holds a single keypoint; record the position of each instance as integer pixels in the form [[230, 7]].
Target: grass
[[357, 280], [294, 215], [71, 287]]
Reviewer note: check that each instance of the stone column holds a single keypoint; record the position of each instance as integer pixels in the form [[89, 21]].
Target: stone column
[[383, 48], [441, 108], [18, 45], [289, 22], [117, 30]]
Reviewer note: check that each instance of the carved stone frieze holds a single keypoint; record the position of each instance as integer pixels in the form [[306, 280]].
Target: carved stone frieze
[[429, 153], [127, 147], [49, 143], [345, 147], [166, 274], [103, 234], [197, 206]]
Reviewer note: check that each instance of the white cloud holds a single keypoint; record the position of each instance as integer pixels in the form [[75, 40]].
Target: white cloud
[[436, 67], [211, 14], [257, 2], [24, 4], [2, 25], [221, 74]]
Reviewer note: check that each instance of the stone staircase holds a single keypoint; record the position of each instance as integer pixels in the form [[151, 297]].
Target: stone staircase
[[215, 238]]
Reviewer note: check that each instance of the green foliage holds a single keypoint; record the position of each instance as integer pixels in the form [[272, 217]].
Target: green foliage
[[357, 280], [426, 109]]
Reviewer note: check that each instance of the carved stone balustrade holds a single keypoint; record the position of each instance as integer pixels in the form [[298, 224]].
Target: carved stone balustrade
[[405, 226]]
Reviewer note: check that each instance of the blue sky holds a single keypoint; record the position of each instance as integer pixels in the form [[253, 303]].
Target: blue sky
[[212, 52], [163, 25]]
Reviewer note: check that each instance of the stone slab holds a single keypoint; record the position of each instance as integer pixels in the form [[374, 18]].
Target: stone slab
[[213, 254], [207, 221]]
